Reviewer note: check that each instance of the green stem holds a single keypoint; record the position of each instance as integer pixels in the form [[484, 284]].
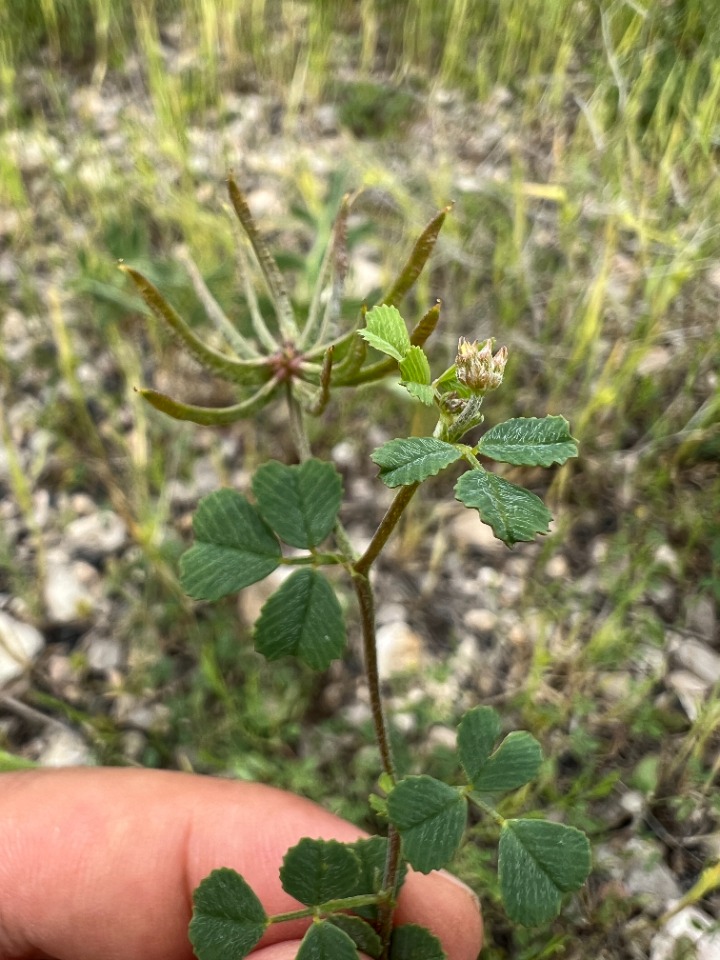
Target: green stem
[[314, 560], [387, 525], [366, 602], [390, 880], [330, 906]]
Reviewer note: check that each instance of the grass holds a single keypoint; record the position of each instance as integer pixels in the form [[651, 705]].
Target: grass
[[584, 235]]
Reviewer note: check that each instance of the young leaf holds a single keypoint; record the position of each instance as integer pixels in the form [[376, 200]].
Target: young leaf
[[410, 942], [315, 871], [234, 547], [228, 919], [413, 459], [513, 513], [530, 441], [416, 375], [430, 817], [539, 861], [324, 941], [415, 367], [300, 502], [303, 619], [421, 391], [360, 932], [515, 762], [386, 331], [478, 732]]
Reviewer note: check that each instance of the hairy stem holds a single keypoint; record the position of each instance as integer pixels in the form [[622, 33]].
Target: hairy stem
[[387, 525], [366, 601]]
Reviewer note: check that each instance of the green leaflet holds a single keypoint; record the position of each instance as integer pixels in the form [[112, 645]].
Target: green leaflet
[[301, 502], [386, 331], [303, 619], [514, 513], [228, 919], [430, 817], [529, 441], [412, 460], [234, 547], [538, 862]]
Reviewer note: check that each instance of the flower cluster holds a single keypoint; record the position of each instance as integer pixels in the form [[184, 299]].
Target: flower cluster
[[477, 368]]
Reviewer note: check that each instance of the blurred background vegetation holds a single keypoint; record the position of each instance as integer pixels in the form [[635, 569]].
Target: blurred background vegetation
[[580, 142]]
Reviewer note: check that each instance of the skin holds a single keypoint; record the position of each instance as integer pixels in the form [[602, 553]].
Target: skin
[[100, 864]]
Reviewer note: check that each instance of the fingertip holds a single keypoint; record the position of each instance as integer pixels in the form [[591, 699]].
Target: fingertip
[[448, 908]]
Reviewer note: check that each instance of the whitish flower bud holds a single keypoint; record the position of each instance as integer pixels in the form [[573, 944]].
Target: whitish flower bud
[[476, 366]]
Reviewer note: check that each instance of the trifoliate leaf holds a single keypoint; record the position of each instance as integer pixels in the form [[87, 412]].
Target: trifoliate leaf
[[386, 331], [315, 871], [513, 512], [302, 619], [539, 861], [415, 367], [530, 441], [228, 919], [300, 502], [413, 459], [515, 762], [360, 932], [234, 547], [430, 817], [410, 942], [324, 941]]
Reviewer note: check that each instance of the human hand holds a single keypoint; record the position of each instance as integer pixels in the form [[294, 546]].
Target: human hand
[[100, 864]]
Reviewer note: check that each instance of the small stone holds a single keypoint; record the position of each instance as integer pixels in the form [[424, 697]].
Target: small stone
[[511, 591], [700, 617], [648, 876], [666, 557], [688, 924], [484, 621], [344, 454], [103, 653], [557, 567], [468, 531], [598, 551], [134, 743], [96, 536], [20, 643], [265, 203], [615, 687], [67, 598], [634, 803], [251, 599], [441, 736], [326, 119], [690, 691], [399, 648], [696, 657], [654, 361], [64, 748]]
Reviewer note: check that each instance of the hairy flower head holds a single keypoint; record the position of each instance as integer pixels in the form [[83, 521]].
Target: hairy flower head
[[476, 366]]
